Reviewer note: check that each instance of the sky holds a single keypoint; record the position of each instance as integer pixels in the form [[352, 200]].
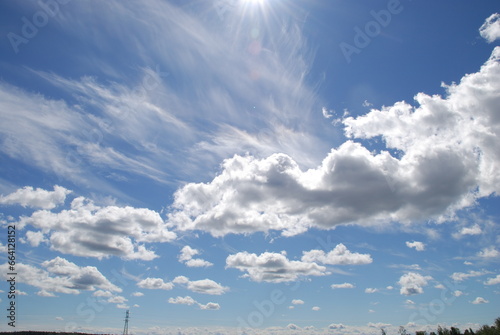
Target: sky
[[249, 166]]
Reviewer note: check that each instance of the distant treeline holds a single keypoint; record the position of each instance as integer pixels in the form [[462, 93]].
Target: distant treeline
[[484, 330], [30, 332]]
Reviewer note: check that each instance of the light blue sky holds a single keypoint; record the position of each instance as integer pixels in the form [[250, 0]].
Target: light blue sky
[[265, 166]]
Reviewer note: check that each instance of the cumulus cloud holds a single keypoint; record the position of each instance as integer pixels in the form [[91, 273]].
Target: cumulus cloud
[[479, 300], [137, 294], [204, 286], [36, 198], [378, 325], [186, 257], [489, 253], [474, 230], [118, 231], [449, 155], [419, 246], [101, 293], [211, 306], [117, 299], [336, 326], [493, 281], [187, 300], [182, 301], [297, 302], [35, 238], [315, 308], [461, 276], [412, 283], [370, 290], [344, 285], [490, 30], [340, 255], [59, 275], [272, 267], [155, 284]]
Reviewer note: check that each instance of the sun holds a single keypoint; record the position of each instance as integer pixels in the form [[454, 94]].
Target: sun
[[256, 2]]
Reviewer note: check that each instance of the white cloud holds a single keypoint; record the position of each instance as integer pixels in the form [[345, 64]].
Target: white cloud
[[181, 280], [292, 326], [370, 290], [490, 252], [137, 294], [419, 246], [37, 198], [336, 326], [297, 302], [412, 283], [187, 300], [458, 293], [101, 293], [118, 231], [134, 112], [61, 276], [449, 153], [461, 276], [117, 299], [326, 113], [204, 286], [59, 318], [187, 254], [315, 308], [35, 238], [211, 306], [182, 301], [474, 230], [155, 284], [340, 255], [378, 325], [479, 300], [493, 281], [43, 293], [490, 30], [272, 267], [344, 285]]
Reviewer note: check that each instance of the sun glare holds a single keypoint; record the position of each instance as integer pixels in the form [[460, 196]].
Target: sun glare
[[254, 1]]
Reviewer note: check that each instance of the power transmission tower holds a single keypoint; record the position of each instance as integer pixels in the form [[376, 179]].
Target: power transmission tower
[[125, 328]]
